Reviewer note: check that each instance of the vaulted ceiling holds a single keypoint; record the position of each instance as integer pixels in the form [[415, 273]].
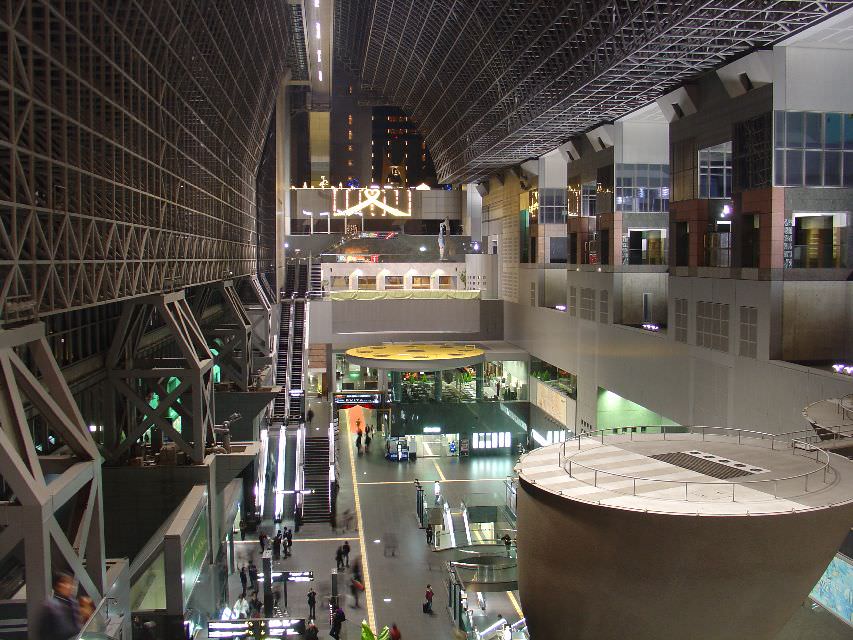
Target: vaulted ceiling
[[495, 82]]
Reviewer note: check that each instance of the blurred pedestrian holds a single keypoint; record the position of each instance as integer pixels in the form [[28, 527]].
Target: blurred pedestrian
[[60, 617], [339, 558], [395, 633], [346, 549], [243, 579], [312, 604]]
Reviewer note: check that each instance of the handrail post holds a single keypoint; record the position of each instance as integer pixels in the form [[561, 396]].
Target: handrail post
[[595, 478]]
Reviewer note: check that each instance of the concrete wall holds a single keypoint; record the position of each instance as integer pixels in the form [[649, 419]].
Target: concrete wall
[[817, 321], [797, 87], [591, 572], [686, 383], [354, 322]]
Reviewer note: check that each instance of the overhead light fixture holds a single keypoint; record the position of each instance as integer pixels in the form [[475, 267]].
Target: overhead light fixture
[[317, 29], [319, 55], [320, 75], [316, 4]]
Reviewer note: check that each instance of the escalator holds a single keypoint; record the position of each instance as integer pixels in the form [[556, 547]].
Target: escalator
[[280, 403], [297, 350]]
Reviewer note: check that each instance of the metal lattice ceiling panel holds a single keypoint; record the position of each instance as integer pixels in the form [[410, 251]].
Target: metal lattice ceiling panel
[[493, 83], [131, 135]]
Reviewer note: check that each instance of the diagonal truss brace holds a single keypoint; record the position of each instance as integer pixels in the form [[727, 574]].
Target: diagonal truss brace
[[261, 316], [234, 351], [134, 379], [55, 514]]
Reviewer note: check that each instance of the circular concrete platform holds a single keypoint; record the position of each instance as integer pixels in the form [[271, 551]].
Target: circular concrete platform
[[705, 533], [408, 356]]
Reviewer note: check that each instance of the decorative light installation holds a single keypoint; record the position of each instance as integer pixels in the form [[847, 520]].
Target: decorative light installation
[[844, 369], [650, 326]]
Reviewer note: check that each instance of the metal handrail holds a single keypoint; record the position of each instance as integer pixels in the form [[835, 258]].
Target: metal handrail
[[795, 445]]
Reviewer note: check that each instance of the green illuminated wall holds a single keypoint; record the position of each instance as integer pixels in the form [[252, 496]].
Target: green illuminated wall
[[614, 411]]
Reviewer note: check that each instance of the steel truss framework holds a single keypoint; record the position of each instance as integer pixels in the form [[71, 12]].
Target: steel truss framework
[[57, 523], [134, 379], [495, 82], [234, 350], [262, 318], [130, 140]]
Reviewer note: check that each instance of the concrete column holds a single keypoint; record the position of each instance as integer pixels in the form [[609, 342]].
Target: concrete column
[[472, 221], [479, 373], [397, 385], [436, 387], [282, 177]]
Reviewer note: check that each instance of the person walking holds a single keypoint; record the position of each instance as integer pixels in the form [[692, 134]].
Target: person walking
[[395, 633], [428, 595], [60, 617], [241, 607], [309, 416], [346, 549], [429, 534], [507, 543], [288, 534], [262, 540], [243, 579], [367, 440], [339, 558], [312, 632], [242, 529], [358, 441], [312, 604], [253, 574], [276, 546], [437, 488], [338, 619]]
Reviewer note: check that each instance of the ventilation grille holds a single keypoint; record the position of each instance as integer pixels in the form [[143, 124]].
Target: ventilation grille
[[709, 464]]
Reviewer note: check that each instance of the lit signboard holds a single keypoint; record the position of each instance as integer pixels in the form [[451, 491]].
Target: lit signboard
[[194, 554], [358, 397], [833, 591]]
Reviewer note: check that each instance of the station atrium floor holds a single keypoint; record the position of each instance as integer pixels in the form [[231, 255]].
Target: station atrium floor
[[398, 564]]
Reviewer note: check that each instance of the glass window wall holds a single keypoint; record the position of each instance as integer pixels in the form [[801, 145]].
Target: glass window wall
[[813, 149]]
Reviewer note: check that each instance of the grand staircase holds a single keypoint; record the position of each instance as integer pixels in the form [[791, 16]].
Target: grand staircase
[[316, 507]]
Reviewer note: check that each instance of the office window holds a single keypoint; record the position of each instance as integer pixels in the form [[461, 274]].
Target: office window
[[712, 325], [813, 149], [642, 188], [366, 283], [715, 171], [681, 320], [421, 282], [446, 282], [604, 307], [499, 440], [588, 304], [752, 153], [393, 282], [532, 294], [573, 301], [748, 342], [339, 283]]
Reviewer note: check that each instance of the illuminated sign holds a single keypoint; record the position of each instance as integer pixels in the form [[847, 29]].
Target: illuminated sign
[[432, 429], [357, 397], [372, 199]]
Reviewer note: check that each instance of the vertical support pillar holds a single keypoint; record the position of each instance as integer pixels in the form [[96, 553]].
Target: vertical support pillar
[[436, 386], [282, 178], [397, 385], [480, 374]]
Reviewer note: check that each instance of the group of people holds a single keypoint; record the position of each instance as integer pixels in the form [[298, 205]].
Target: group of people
[[367, 437], [281, 542], [63, 615]]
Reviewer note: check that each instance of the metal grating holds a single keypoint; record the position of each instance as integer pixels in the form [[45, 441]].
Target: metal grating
[[709, 464], [495, 82], [130, 141]]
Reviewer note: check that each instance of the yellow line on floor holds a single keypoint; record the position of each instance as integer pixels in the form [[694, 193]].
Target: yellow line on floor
[[515, 604], [368, 594], [440, 474]]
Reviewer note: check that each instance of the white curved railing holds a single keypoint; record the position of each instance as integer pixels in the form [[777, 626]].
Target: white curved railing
[[726, 490]]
